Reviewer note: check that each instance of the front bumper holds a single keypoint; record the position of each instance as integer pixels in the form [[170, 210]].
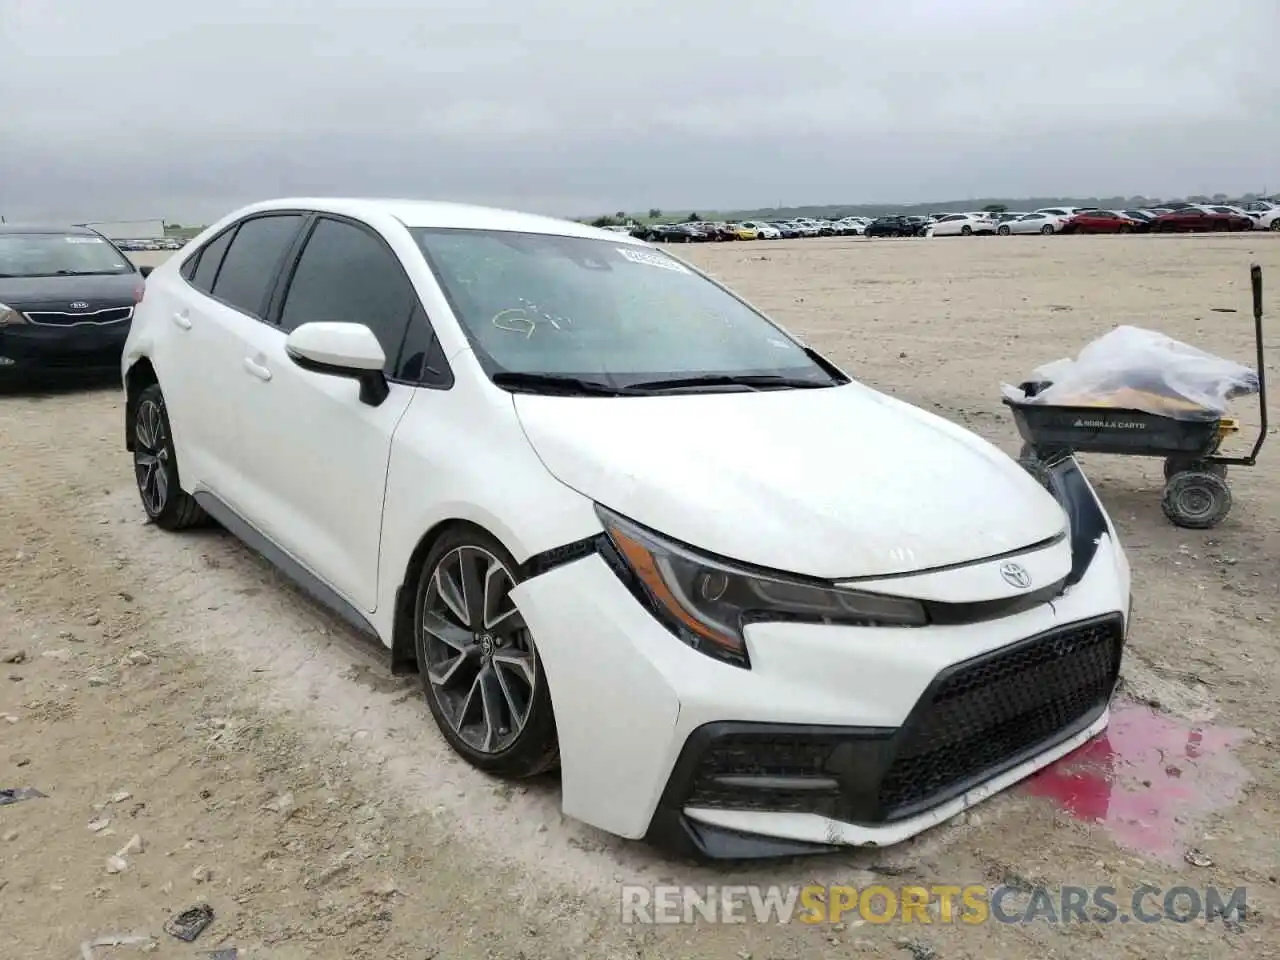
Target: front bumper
[[836, 735], [29, 348]]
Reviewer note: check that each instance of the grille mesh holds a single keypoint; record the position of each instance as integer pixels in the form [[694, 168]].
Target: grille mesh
[[1002, 706]]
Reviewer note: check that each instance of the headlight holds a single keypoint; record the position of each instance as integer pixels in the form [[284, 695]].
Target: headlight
[[10, 317], [707, 603]]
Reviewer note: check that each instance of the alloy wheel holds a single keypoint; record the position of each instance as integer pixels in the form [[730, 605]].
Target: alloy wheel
[[481, 661], [151, 456]]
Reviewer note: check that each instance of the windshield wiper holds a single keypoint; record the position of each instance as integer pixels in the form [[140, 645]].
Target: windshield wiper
[[558, 383], [754, 381], [86, 273]]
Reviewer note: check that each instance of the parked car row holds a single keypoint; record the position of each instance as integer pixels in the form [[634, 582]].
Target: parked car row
[[1174, 217], [705, 231]]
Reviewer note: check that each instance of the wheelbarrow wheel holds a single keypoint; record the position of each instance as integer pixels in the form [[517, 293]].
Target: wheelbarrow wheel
[[1174, 465], [1196, 499]]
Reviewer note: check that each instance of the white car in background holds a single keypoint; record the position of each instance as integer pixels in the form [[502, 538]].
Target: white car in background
[[609, 530], [851, 226], [1270, 220], [805, 228], [1229, 209], [1038, 222], [961, 224], [764, 231]]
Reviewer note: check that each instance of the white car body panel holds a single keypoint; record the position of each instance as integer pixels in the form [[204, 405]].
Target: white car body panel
[[917, 507], [653, 460], [332, 520], [615, 767]]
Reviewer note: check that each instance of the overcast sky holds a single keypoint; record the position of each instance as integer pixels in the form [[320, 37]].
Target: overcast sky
[[188, 108]]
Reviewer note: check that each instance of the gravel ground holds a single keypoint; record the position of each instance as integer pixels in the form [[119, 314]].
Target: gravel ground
[[173, 688]]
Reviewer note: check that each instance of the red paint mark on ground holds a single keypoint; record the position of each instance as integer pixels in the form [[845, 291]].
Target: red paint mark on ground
[[1147, 779]]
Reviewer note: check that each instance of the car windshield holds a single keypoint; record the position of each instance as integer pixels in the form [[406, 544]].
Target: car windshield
[[593, 309], [57, 254]]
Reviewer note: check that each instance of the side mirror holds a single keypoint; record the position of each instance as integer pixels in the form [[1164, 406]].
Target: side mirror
[[342, 350], [145, 271]]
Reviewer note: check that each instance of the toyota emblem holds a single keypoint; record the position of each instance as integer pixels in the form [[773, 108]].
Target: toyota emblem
[[1015, 575], [79, 305]]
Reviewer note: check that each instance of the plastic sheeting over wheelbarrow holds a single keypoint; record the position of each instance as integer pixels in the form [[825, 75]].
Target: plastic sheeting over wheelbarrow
[[1135, 369]]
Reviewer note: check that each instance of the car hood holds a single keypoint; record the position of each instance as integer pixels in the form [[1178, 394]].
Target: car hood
[[836, 483], [102, 289]]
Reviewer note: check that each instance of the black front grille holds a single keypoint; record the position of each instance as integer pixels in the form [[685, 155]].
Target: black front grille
[[60, 318], [979, 714], [977, 719]]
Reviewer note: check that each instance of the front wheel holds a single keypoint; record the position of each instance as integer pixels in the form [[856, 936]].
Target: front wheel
[[966, 230], [1004, 231], [1275, 225], [480, 670], [155, 466]]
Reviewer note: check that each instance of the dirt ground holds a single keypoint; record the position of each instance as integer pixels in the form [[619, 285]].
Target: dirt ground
[[173, 688]]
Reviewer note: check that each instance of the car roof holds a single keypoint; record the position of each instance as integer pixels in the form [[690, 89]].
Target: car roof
[[54, 228], [425, 213]]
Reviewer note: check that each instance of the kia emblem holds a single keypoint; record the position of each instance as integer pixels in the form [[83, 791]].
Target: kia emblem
[[79, 305]]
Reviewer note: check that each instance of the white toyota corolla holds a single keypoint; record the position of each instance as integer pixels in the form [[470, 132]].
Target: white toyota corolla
[[622, 523]]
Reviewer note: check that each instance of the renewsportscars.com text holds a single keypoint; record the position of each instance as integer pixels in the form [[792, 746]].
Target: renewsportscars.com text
[[934, 904]]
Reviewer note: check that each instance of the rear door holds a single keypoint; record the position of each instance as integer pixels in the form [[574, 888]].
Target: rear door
[[318, 455], [227, 288]]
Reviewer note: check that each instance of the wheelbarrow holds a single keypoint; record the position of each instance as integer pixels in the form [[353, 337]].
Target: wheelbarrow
[[1196, 492]]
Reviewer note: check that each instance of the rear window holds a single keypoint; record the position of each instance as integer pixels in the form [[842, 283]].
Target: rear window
[[59, 254], [251, 264]]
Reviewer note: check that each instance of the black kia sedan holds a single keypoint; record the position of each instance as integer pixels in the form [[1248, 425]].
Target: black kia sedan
[[66, 301]]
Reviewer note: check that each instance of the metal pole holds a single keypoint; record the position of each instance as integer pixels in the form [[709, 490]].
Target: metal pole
[[1255, 277]]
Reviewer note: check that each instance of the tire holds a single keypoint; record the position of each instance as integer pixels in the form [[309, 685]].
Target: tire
[[1047, 229], [155, 466], [492, 658], [1176, 465], [1275, 225], [1004, 231], [966, 231], [1196, 500]]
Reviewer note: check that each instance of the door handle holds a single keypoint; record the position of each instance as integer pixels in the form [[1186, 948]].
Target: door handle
[[257, 369], [182, 320]]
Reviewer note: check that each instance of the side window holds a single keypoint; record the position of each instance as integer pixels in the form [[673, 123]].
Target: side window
[[209, 259], [347, 275], [251, 264], [189, 266], [422, 358]]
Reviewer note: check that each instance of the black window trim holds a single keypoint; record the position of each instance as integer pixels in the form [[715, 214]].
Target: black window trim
[[444, 380], [234, 228]]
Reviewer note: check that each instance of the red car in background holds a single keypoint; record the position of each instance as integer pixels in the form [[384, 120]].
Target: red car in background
[[1197, 220], [1096, 221]]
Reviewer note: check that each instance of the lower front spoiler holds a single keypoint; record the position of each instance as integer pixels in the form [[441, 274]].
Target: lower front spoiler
[[707, 834]]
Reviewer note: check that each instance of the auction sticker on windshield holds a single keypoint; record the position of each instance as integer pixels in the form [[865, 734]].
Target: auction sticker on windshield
[[652, 259]]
